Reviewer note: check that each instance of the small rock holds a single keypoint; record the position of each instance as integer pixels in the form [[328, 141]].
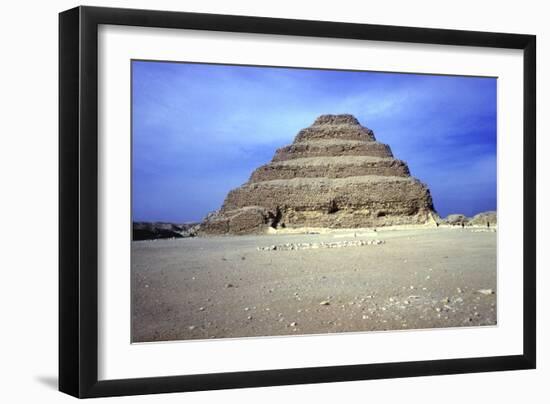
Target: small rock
[[229, 285], [293, 324], [459, 290], [324, 303], [246, 308], [201, 308], [486, 291], [191, 327], [428, 277], [437, 309]]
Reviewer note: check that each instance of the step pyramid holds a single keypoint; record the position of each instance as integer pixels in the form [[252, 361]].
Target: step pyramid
[[334, 175]]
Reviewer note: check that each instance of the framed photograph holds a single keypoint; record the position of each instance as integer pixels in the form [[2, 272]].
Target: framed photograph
[[250, 201]]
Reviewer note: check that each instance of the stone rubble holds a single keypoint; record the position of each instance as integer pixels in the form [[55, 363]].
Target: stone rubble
[[308, 246]]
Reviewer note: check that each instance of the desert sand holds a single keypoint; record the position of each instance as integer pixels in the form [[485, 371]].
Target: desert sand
[[224, 287]]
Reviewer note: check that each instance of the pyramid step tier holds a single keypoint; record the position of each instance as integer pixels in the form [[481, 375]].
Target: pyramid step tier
[[330, 167], [331, 148], [373, 195], [342, 126], [255, 219], [335, 132]]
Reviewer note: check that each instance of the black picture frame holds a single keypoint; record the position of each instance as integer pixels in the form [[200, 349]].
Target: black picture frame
[[78, 201]]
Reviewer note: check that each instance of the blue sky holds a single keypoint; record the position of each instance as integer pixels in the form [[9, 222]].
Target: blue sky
[[200, 130]]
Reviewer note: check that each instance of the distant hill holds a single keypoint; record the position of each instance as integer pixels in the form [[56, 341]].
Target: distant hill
[[162, 230], [481, 219]]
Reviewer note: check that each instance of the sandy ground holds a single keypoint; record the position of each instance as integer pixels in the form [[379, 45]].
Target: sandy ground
[[220, 287]]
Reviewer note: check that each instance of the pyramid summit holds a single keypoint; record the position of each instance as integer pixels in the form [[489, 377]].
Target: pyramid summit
[[334, 175], [335, 127]]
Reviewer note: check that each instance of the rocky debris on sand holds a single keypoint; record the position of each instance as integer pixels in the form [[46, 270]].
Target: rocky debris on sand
[[307, 246], [334, 175]]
